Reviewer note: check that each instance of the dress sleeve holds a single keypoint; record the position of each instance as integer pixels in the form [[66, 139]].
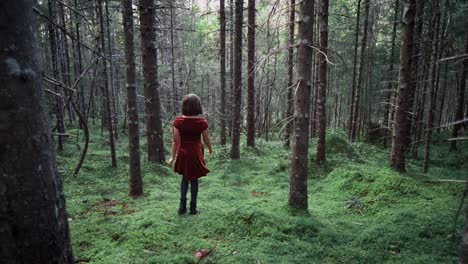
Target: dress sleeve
[[177, 123], [203, 125]]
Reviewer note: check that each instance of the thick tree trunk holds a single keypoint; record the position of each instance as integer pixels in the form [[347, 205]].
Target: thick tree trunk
[[360, 80], [154, 134], [136, 185], [106, 88], [460, 99], [299, 160], [389, 87], [404, 102], [222, 61], [237, 81], [290, 99], [353, 85], [322, 79], [251, 75], [34, 227]]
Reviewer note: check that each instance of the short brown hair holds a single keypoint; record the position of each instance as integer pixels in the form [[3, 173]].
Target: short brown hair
[[191, 105]]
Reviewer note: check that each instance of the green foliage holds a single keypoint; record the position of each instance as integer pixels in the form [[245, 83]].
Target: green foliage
[[359, 210]]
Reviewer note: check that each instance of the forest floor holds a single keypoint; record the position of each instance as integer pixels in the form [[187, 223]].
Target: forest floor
[[360, 211]]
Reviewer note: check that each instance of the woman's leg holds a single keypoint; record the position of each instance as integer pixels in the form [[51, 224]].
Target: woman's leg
[[193, 196], [183, 196]]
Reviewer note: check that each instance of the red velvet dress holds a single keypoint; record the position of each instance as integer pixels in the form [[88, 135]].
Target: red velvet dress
[[190, 162]]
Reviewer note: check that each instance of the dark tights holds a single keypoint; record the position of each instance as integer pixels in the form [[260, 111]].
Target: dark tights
[[193, 190]]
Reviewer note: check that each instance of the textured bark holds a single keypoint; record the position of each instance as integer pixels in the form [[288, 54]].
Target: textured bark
[[113, 88], [136, 185], [105, 89], [404, 101], [251, 75], [237, 81], [299, 160], [154, 135], [433, 91], [222, 62], [33, 226], [353, 85], [290, 99], [389, 88], [460, 99], [322, 82], [59, 116], [360, 80], [79, 63]]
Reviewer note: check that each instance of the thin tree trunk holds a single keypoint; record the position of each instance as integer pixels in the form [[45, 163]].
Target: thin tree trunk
[[433, 91], [299, 161], [390, 91], [322, 88], [154, 135], [106, 87], [404, 102], [34, 226], [360, 80], [290, 99], [251, 75], [136, 185], [460, 99], [237, 82], [353, 88], [222, 61]]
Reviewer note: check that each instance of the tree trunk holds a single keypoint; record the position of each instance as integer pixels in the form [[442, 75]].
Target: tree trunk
[[353, 89], [106, 87], [460, 99], [60, 122], [404, 101], [357, 98], [389, 88], [222, 61], [299, 160], [433, 92], [237, 81], [34, 227], [290, 99], [251, 75], [322, 88], [154, 134], [136, 185]]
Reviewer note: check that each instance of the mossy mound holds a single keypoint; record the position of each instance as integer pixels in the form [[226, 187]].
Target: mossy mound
[[337, 145]]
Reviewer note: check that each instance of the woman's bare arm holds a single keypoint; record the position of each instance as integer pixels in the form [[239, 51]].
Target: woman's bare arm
[[206, 139], [175, 145]]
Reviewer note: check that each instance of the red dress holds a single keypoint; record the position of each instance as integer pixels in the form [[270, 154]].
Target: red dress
[[190, 162]]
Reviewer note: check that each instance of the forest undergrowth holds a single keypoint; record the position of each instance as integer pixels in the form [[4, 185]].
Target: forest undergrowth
[[360, 211]]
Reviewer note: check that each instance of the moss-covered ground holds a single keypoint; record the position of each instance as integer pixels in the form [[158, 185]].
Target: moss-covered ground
[[360, 211]]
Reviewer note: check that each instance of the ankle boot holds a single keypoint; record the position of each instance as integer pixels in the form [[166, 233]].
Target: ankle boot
[[193, 208], [183, 206]]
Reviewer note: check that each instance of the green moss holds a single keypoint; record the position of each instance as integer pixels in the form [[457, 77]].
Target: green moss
[[359, 210]]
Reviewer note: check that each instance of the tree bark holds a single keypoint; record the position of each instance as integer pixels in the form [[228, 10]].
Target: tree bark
[[322, 78], [390, 91], [237, 81], [460, 99], [299, 160], [353, 85], [136, 185], [251, 75], [106, 87], [154, 134], [360, 80], [290, 99], [222, 61], [34, 227], [404, 101]]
